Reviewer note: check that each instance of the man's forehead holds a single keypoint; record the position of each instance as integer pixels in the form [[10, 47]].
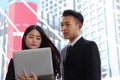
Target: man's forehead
[[66, 19]]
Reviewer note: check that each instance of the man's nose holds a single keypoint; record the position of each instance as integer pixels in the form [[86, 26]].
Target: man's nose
[[63, 27]]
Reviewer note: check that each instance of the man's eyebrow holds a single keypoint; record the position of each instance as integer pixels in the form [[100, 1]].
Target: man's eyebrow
[[65, 22]]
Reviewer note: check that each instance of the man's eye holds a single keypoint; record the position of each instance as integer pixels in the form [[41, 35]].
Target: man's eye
[[67, 24], [61, 25]]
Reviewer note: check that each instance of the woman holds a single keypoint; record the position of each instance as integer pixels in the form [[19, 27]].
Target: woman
[[35, 37]]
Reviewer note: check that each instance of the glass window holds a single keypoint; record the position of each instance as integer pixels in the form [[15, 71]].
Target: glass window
[[119, 35], [103, 55], [118, 7], [118, 28], [93, 20], [93, 34], [79, 7], [92, 7], [79, 1], [100, 17], [118, 20], [118, 1], [104, 69], [100, 24], [99, 10], [118, 15], [88, 36], [92, 13]]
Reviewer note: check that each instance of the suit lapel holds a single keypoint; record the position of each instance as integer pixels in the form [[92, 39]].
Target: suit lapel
[[75, 48]]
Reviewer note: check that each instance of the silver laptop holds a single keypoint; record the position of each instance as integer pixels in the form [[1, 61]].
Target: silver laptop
[[38, 61]]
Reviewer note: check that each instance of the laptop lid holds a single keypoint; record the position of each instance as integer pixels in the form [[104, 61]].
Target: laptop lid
[[38, 61]]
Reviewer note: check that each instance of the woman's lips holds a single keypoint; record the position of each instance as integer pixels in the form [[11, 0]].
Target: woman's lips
[[33, 44]]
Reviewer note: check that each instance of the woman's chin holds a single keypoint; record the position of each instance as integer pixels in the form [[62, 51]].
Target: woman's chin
[[34, 47]]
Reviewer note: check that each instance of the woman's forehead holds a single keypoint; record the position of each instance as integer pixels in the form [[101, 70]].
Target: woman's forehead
[[34, 32]]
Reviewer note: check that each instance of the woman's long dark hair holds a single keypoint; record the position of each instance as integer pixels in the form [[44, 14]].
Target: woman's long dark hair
[[46, 42]]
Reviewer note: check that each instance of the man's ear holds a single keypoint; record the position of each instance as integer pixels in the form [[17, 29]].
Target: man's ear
[[80, 26]]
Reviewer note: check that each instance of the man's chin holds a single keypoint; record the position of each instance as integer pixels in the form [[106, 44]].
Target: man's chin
[[66, 38]]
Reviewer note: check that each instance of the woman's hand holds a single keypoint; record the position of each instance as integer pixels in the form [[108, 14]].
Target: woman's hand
[[58, 76], [26, 77]]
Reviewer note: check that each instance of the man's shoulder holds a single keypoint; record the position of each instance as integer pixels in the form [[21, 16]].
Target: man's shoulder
[[87, 41]]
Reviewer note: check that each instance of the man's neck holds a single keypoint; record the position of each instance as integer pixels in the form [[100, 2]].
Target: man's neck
[[72, 42]]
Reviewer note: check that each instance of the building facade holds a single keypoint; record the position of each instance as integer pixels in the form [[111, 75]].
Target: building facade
[[102, 25]]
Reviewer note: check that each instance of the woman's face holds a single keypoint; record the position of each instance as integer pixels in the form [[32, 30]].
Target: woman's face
[[33, 39]]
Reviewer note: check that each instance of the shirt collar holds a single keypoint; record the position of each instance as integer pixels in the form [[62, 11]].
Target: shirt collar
[[75, 41]]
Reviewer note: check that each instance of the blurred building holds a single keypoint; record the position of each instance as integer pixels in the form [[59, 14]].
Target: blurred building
[[102, 24]]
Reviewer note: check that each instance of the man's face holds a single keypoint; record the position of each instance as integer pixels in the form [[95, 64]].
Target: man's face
[[70, 28]]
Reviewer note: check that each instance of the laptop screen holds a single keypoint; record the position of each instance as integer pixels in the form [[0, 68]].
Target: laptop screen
[[38, 61]]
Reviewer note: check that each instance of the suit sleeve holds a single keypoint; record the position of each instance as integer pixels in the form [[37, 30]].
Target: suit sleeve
[[92, 62], [10, 74]]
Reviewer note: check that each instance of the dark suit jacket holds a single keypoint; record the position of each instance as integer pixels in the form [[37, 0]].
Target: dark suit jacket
[[10, 74], [83, 62]]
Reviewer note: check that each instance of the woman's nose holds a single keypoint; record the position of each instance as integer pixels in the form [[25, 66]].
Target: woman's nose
[[34, 39]]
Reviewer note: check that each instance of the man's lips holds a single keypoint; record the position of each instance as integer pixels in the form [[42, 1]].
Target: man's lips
[[65, 34]]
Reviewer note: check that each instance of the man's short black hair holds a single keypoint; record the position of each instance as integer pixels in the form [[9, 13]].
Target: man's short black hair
[[75, 14]]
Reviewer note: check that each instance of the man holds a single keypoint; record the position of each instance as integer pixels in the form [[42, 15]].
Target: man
[[82, 60]]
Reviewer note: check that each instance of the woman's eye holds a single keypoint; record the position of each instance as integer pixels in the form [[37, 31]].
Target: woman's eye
[[38, 38], [30, 37]]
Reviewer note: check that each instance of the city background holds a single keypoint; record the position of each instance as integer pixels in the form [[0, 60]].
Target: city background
[[102, 25]]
